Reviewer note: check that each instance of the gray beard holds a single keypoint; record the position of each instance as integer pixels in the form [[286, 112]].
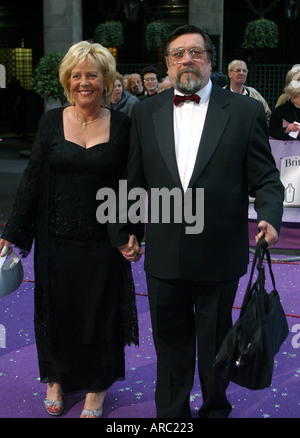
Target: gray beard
[[189, 85]]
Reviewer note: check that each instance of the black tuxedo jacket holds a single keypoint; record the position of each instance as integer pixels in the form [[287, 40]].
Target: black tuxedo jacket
[[234, 160]]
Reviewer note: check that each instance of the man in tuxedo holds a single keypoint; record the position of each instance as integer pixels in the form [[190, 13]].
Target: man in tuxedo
[[218, 143]]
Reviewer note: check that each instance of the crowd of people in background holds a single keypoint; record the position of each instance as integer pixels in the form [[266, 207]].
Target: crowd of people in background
[[134, 87], [283, 121]]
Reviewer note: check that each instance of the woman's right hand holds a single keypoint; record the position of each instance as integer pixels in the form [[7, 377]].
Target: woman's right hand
[[3, 245], [292, 127]]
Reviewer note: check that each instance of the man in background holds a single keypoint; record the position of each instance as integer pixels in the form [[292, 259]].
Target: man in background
[[238, 72]]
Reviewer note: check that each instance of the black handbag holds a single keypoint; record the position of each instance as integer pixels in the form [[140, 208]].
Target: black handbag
[[246, 356]]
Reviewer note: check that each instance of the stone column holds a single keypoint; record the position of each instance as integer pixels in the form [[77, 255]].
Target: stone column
[[209, 16], [62, 28], [62, 24]]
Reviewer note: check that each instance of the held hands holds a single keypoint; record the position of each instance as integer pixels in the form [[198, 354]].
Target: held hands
[[4, 247], [268, 231], [131, 250]]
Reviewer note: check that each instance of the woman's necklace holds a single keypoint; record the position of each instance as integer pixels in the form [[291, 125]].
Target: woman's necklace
[[88, 123]]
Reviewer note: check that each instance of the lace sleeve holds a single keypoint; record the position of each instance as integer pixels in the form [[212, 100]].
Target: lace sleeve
[[21, 226]]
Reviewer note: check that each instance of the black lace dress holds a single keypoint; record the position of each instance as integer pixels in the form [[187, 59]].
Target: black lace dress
[[84, 294]]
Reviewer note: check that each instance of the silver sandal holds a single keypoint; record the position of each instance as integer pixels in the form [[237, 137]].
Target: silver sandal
[[50, 403], [96, 413]]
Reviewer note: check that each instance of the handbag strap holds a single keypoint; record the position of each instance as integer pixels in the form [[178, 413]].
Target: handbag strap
[[260, 252], [14, 259], [270, 268]]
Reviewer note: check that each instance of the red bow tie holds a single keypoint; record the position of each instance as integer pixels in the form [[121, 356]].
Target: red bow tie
[[179, 99]]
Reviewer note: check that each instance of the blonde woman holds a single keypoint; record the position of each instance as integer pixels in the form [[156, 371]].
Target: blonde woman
[[289, 77], [285, 118], [84, 297]]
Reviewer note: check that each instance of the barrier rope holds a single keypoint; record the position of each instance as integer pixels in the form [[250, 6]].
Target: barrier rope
[[273, 259], [281, 259]]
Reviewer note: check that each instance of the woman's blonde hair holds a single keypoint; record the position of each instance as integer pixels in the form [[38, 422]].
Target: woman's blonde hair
[[293, 88], [291, 73], [96, 53]]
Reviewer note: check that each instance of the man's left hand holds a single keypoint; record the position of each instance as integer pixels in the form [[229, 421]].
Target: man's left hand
[[268, 231]]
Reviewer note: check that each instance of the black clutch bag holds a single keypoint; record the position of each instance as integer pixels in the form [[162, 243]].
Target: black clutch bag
[[246, 356]]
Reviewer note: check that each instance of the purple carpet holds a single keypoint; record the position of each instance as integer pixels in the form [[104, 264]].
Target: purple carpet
[[22, 393]]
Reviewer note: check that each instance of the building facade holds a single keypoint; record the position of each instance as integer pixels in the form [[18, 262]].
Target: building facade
[[28, 33]]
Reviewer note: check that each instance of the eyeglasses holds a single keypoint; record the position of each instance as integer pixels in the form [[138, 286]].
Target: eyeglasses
[[195, 53], [240, 70], [150, 79]]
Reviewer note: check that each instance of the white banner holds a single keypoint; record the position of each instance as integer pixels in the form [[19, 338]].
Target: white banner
[[290, 178]]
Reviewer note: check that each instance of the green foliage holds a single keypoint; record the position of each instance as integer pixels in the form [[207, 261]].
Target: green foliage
[[109, 34], [156, 34], [45, 80], [259, 34]]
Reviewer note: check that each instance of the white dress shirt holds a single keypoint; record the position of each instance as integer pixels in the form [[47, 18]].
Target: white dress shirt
[[189, 120]]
